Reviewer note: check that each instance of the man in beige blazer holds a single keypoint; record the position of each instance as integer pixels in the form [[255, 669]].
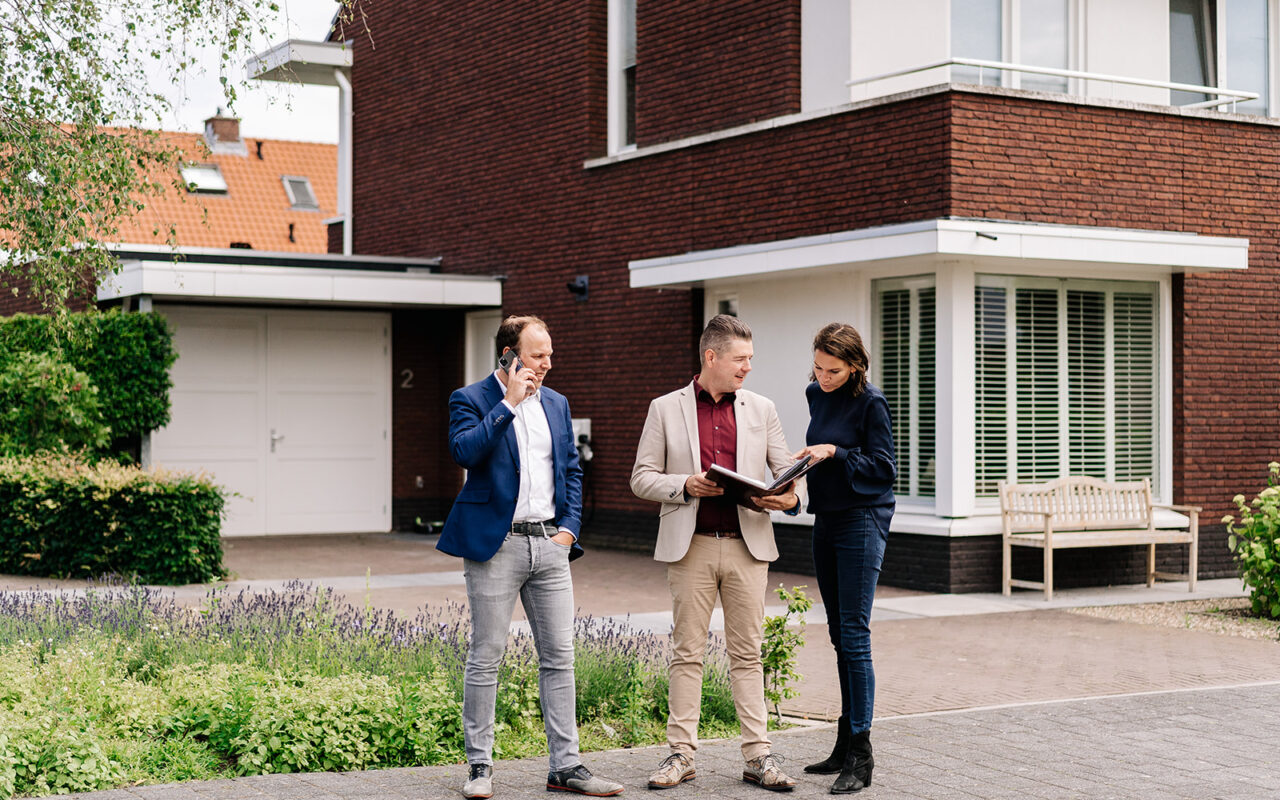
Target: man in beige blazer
[[713, 546]]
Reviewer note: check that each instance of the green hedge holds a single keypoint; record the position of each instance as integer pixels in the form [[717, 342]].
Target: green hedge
[[60, 517], [126, 356]]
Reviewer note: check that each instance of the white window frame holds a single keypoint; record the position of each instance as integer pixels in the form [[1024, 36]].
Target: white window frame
[[1011, 42], [617, 95], [294, 202], [1012, 18], [911, 445], [1220, 52], [1222, 78], [195, 187]]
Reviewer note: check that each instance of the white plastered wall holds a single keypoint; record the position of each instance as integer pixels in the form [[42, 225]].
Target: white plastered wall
[[885, 37], [1129, 39], [824, 53], [784, 315]]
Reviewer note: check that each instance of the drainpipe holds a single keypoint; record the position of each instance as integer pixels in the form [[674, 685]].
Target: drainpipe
[[144, 446], [344, 157]]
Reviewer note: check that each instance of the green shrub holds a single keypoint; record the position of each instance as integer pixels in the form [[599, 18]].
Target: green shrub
[[127, 686], [47, 404], [1256, 544], [778, 650], [60, 517], [127, 356]]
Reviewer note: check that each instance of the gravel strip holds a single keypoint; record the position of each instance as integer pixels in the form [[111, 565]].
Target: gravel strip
[[1227, 617]]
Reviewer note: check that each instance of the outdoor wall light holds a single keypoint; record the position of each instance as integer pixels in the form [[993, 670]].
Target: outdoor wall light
[[578, 286]]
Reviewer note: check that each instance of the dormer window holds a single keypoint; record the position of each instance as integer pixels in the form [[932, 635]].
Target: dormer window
[[300, 194], [204, 179]]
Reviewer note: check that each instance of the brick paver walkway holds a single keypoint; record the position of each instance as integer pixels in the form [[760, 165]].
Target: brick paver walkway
[[1206, 744]]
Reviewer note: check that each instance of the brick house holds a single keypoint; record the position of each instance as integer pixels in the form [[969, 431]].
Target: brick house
[[1053, 220]]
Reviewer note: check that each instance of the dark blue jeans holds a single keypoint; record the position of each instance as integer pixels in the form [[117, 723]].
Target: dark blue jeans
[[848, 549]]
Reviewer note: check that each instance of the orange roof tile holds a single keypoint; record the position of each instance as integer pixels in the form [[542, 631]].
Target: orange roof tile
[[255, 208]]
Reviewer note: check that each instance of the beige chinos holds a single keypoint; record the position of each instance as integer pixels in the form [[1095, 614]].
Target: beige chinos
[[724, 567]]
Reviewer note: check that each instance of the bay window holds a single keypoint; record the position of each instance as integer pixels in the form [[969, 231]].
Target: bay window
[[1066, 380]]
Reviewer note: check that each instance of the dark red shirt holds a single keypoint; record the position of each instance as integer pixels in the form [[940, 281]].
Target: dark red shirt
[[718, 443]]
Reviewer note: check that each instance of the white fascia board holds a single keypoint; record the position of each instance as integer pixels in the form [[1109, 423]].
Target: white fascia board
[[300, 61], [298, 285], [979, 239]]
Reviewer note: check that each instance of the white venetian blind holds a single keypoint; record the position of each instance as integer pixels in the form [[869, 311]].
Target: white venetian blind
[[1066, 380], [1086, 383], [905, 370], [991, 389], [1135, 385]]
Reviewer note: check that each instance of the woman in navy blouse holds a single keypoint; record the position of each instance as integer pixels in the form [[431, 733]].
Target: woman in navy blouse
[[851, 498]]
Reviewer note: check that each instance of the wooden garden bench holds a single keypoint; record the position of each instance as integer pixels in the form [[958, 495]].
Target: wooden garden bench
[[1087, 512]]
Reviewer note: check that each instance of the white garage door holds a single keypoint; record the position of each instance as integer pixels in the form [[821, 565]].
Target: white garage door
[[288, 409]]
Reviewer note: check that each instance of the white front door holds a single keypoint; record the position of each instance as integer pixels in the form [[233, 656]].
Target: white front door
[[290, 410]]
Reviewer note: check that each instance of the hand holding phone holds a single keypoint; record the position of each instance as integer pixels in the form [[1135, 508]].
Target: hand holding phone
[[517, 390], [508, 358]]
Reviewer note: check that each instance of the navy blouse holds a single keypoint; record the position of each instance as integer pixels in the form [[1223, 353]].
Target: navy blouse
[[864, 468]]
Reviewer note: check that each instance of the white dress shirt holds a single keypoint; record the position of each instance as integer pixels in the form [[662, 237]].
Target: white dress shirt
[[536, 501]]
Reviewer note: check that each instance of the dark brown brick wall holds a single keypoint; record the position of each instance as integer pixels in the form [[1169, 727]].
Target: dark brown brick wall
[[705, 66], [1020, 159], [482, 136], [426, 366]]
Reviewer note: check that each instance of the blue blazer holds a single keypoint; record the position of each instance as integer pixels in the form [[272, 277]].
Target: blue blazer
[[482, 440]]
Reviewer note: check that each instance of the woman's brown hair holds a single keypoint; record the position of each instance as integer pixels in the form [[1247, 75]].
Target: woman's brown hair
[[845, 343]]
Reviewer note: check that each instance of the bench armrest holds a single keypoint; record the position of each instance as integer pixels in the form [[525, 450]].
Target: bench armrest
[[1187, 509], [1045, 514]]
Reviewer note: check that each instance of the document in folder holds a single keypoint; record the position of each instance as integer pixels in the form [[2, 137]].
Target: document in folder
[[742, 489]]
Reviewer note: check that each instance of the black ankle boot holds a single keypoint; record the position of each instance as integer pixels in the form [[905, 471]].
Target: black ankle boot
[[833, 763], [855, 773]]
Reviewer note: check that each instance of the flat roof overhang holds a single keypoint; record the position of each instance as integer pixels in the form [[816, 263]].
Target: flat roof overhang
[[987, 241], [301, 61], [254, 276]]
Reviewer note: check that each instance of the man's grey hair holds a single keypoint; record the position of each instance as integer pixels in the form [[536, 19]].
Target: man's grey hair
[[722, 330]]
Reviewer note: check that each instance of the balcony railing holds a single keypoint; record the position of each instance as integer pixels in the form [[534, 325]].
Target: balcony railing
[[1223, 96]]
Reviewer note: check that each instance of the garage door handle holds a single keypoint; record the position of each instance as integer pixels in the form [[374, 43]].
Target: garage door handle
[[275, 437]]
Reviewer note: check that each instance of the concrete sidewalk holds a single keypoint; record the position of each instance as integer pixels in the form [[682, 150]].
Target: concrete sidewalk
[[1032, 661]]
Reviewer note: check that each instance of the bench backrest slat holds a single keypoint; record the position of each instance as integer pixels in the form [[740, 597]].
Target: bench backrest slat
[[1077, 503]]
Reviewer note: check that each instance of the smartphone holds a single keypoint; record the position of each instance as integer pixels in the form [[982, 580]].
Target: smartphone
[[509, 358]]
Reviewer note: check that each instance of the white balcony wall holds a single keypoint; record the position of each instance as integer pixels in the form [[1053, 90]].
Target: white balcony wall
[[1128, 39], [824, 53], [885, 37]]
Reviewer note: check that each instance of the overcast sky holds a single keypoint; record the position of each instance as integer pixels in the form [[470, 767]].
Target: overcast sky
[[267, 109]]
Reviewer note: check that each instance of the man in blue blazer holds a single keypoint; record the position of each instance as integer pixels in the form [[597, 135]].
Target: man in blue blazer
[[515, 524]]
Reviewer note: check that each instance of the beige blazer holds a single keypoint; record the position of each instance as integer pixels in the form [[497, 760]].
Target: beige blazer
[[669, 453]]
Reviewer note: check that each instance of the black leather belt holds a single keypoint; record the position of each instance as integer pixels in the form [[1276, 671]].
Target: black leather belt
[[720, 534], [534, 528]]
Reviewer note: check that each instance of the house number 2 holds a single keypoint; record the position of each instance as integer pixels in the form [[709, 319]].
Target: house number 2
[[406, 379]]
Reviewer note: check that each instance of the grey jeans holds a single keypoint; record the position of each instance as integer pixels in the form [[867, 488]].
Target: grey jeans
[[536, 569]]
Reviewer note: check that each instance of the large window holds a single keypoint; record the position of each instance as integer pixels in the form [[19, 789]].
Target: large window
[[976, 32], [1220, 43], [1066, 380], [905, 370], [1041, 37]]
